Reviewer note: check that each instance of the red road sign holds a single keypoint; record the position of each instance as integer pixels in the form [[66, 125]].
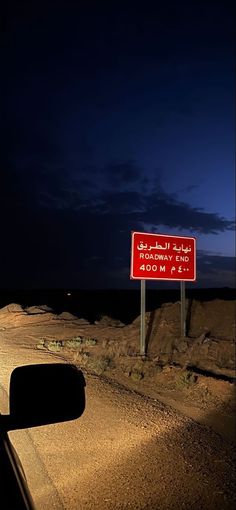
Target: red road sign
[[162, 257]]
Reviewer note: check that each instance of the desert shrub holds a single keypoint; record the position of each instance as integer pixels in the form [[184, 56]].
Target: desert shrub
[[187, 378], [77, 338], [137, 370], [41, 345], [74, 343], [82, 358], [100, 365], [77, 341], [85, 355], [55, 345], [90, 341], [136, 375]]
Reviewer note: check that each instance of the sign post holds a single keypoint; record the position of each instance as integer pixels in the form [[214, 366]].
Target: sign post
[[143, 325], [162, 257], [183, 311]]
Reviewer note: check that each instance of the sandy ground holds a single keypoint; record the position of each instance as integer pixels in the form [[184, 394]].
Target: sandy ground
[[129, 449]]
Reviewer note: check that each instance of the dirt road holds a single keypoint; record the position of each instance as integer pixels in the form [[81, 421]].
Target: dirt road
[[125, 452]]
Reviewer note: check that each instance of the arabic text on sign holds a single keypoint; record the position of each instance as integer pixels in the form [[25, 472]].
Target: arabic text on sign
[[144, 247]]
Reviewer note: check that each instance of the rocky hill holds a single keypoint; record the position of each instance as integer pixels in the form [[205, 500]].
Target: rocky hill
[[209, 344]]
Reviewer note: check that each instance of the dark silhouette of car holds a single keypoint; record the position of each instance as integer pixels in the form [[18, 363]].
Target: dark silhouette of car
[[39, 395]]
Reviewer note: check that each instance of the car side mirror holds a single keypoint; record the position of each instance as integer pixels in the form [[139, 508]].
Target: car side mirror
[[45, 393]]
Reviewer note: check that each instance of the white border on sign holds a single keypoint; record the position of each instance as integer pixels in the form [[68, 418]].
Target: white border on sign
[[162, 235]]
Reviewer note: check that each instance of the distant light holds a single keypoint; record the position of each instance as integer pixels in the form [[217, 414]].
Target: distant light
[[68, 294]]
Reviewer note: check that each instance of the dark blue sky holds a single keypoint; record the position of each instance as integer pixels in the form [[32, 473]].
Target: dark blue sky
[[116, 119]]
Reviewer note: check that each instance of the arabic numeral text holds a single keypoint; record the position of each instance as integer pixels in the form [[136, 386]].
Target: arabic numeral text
[[148, 267]]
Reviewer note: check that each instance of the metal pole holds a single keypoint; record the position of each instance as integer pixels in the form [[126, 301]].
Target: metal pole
[[183, 310], [143, 325]]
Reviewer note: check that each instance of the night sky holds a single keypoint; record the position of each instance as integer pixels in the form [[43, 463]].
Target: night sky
[[117, 117]]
